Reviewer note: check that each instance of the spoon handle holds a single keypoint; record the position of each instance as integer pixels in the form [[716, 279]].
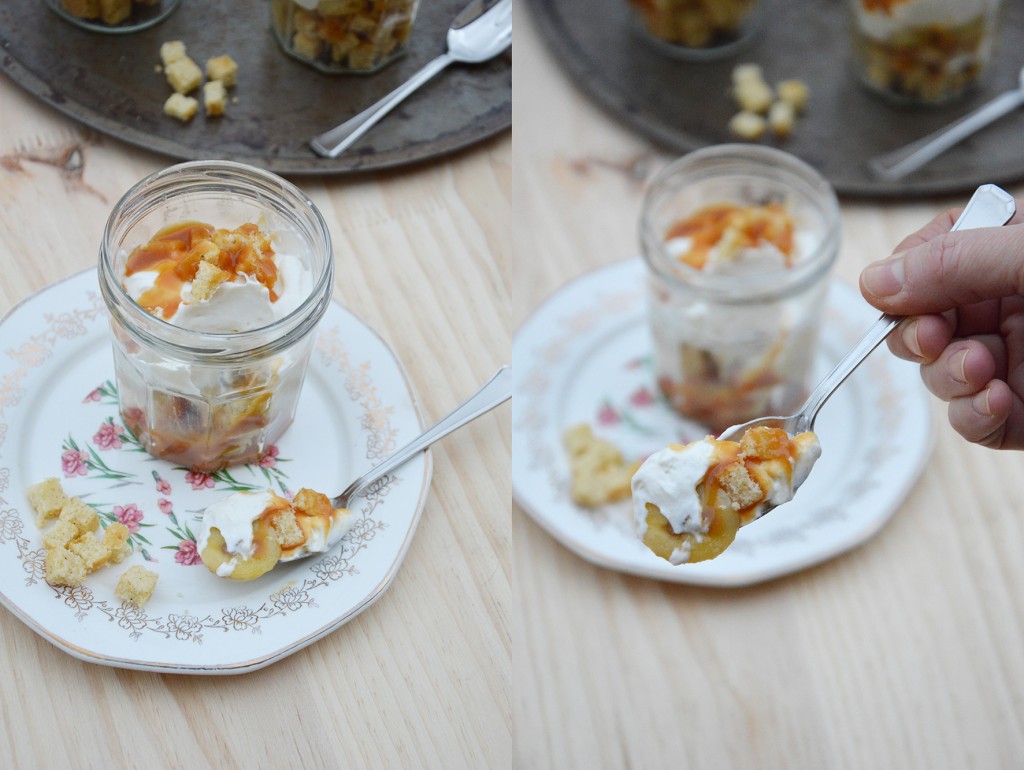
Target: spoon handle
[[897, 164], [990, 206], [333, 143], [492, 393]]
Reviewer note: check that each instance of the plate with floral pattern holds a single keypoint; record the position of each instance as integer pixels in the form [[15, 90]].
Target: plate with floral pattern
[[584, 356], [59, 417]]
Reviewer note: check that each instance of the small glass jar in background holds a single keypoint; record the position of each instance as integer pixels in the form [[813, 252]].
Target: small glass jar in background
[[344, 36], [697, 30], [734, 321], [113, 16], [922, 52], [201, 399]]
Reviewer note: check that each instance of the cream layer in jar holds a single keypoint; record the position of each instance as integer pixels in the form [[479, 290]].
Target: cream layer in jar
[[688, 501]]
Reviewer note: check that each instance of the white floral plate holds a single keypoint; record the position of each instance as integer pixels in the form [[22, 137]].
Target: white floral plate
[[59, 417], [584, 356]]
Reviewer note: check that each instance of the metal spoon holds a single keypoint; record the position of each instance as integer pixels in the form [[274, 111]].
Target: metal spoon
[[897, 164], [990, 206], [480, 32], [495, 391]]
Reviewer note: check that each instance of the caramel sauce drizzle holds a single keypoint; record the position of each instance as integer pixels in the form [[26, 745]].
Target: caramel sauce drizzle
[[745, 226], [728, 452], [885, 6], [175, 252]]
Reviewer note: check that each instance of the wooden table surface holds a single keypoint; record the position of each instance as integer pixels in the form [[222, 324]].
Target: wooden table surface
[[904, 653], [421, 679]]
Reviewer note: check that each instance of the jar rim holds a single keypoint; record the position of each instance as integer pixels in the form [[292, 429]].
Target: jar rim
[[189, 343], [756, 163]]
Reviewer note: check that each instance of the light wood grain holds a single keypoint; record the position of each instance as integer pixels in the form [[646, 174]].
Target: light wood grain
[[903, 653], [422, 679]]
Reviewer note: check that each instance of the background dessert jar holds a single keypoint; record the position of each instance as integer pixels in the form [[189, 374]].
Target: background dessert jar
[[922, 51], [739, 242], [344, 36], [209, 364], [113, 16], [698, 29]]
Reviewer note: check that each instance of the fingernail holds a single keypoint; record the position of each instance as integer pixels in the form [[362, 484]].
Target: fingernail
[[955, 367], [909, 337], [885, 278], [980, 404]]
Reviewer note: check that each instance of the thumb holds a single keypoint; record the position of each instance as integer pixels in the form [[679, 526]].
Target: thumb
[[948, 271]]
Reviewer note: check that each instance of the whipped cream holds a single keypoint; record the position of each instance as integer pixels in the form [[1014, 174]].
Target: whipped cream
[[234, 515], [238, 305], [669, 479], [880, 24]]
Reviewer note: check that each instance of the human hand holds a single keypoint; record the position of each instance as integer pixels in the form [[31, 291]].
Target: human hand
[[963, 295]]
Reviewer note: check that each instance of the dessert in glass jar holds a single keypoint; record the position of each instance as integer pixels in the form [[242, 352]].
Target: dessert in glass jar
[[697, 29], [358, 36], [739, 242], [215, 275], [113, 16], [922, 51]]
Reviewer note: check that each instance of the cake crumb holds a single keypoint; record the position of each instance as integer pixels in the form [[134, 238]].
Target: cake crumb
[[748, 125], [64, 568], [171, 51], [184, 75], [136, 585], [47, 498], [214, 97], [83, 516], [182, 107], [222, 68]]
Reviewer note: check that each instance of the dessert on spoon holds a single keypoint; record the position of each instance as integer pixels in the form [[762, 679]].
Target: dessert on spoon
[[246, 534]]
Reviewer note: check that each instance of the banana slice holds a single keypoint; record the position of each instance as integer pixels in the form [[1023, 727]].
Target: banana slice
[[265, 553]]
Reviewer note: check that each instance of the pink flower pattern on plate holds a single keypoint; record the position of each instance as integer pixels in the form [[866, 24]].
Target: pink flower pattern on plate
[[130, 515], [269, 457], [93, 396], [166, 507], [72, 462], [606, 415], [107, 437], [641, 397], [188, 553], [163, 486], [199, 480]]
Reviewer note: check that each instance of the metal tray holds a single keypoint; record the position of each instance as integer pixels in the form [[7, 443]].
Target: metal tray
[[686, 105], [108, 82]]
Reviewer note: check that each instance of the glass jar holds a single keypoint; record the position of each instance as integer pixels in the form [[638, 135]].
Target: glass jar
[[922, 52], [113, 16], [344, 36], [697, 30], [210, 399], [734, 318]]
